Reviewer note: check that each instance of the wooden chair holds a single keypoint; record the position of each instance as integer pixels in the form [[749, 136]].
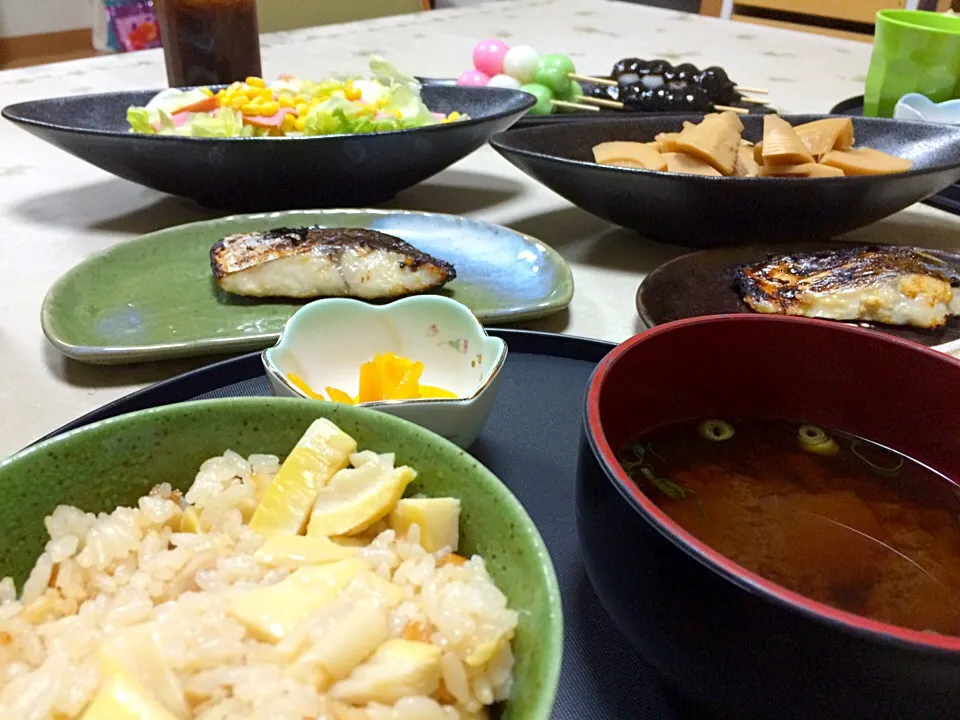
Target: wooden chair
[[851, 19], [277, 15]]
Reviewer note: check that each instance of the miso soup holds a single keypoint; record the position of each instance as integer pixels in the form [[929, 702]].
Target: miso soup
[[834, 517]]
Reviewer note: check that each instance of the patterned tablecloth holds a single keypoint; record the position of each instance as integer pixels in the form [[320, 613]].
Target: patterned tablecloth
[[56, 210]]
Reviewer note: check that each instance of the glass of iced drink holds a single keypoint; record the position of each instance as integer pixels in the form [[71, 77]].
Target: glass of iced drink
[[209, 42]]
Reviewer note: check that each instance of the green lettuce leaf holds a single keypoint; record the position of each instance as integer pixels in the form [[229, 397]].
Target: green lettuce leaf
[[139, 119]]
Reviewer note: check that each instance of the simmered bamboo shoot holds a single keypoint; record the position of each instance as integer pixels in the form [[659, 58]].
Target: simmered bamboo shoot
[[865, 161], [689, 165], [802, 170], [781, 144], [630, 154], [746, 165], [667, 142], [715, 141], [822, 136]]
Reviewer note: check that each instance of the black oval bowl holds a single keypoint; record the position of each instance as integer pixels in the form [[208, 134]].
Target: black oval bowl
[[733, 644], [271, 173], [708, 212]]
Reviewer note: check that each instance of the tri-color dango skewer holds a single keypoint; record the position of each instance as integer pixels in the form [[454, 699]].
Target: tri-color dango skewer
[[546, 77]]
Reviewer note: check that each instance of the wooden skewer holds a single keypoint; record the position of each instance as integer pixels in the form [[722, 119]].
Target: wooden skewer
[[753, 101], [575, 106], [730, 108], [614, 105], [758, 91], [595, 80]]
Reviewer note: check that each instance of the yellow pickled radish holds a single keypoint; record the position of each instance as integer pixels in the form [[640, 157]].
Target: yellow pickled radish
[[323, 450], [409, 386], [370, 388], [301, 385], [429, 391], [339, 396], [781, 144]]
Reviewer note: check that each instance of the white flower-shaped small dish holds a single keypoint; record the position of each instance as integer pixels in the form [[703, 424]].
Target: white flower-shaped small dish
[[920, 108], [327, 341]]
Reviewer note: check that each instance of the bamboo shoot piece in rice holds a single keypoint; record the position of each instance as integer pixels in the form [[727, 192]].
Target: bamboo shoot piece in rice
[[715, 141], [322, 451], [781, 144]]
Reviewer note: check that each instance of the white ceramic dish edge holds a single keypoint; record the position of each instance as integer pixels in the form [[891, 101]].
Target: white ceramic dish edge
[[326, 341]]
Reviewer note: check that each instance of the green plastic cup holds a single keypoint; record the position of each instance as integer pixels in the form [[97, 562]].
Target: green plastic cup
[[913, 51]]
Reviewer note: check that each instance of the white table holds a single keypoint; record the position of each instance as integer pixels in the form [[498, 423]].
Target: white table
[[56, 210]]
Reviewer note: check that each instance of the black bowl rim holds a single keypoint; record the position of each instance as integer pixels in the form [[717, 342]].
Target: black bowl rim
[[712, 560], [499, 142], [12, 113]]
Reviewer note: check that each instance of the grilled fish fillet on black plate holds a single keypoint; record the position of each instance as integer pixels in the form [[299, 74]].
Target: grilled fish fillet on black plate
[[325, 262], [886, 284]]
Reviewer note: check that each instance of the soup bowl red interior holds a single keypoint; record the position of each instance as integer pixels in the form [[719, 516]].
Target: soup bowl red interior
[[732, 643]]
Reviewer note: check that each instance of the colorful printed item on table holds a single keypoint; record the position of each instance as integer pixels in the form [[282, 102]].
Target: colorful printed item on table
[[132, 25], [387, 100]]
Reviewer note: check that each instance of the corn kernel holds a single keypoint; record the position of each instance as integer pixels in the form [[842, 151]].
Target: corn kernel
[[299, 99], [286, 101], [238, 101], [269, 108], [301, 108], [289, 123], [251, 109], [352, 94], [301, 123], [453, 116], [255, 82]]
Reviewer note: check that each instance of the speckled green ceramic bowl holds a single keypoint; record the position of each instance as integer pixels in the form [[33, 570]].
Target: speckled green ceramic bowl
[[113, 462]]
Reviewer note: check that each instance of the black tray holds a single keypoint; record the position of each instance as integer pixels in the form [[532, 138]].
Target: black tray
[[947, 200], [530, 442], [585, 116]]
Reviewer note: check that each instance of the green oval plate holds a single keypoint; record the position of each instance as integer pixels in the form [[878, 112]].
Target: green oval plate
[[113, 462], [155, 297]]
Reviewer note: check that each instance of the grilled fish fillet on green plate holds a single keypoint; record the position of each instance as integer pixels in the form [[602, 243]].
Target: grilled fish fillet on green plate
[[886, 284], [325, 262]]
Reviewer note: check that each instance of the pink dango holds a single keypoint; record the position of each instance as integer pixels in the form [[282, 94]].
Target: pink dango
[[473, 78], [488, 56]]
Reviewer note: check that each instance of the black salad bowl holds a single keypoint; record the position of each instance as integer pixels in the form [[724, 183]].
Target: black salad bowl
[[251, 174], [708, 212]]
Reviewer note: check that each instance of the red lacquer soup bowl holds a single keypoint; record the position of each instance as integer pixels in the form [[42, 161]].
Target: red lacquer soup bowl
[[732, 643]]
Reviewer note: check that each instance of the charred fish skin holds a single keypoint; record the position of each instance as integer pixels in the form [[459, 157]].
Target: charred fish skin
[[325, 262], [888, 284]]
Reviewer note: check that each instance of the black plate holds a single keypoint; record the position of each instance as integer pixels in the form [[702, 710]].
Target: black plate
[[703, 283], [947, 200], [530, 442], [252, 174], [707, 212], [529, 120]]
